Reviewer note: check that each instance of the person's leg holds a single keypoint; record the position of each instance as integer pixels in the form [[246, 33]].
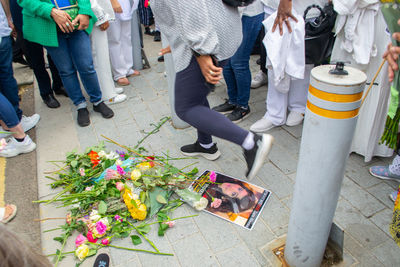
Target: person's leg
[[8, 84], [115, 47], [126, 46], [276, 103], [230, 80], [57, 85]]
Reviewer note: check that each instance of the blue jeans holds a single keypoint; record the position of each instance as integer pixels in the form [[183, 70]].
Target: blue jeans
[[74, 54], [7, 112], [237, 72], [8, 84]]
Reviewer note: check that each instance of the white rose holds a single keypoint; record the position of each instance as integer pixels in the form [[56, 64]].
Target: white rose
[[94, 216], [201, 204], [102, 154]]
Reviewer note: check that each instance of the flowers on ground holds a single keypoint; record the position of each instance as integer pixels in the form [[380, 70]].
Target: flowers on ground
[[80, 239], [213, 177], [170, 223], [82, 252], [94, 158], [120, 186], [137, 209]]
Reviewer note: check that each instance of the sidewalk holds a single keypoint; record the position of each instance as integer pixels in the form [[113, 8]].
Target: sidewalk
[[364, 209]]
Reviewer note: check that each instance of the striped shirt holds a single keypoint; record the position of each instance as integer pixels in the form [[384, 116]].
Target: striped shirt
[[208, 27]]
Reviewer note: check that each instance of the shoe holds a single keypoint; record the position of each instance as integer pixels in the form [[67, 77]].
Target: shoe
[[61, 91], [51, 101], [83, 117], [383, 172], [294, 118], [104, 110], [239, 114], [102, 260], [196, 149], [260, 79], [21, 61], [262, 125], [160, 59], [14, 148], [258, 61], [123, 81], [225, 107], [119, 90], [12, 212], [134, 73], [393, 196], [4, 135], [157, 36], [149, 31], [28, 123], [116, 99], [256, 156]]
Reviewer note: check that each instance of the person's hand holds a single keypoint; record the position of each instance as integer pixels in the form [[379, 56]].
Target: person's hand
[[63, 20], [116, 6], [164, 51], [392, 55], [11, 25], [82, 20], [283, 15], [211, 73], [104, 26]]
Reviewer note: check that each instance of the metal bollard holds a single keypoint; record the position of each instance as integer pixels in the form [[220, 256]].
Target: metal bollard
[[136, 41], [334, 99]]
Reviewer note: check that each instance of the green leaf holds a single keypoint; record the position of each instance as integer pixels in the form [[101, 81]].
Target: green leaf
[[143, 228], [74, 163], [102, 207], [59, 239], [162, 229], [125, 234], [193, 172], [142, 196], [137, 184], [161, 199], [92, 252], [136, 240], [133, 202], [146, 181]]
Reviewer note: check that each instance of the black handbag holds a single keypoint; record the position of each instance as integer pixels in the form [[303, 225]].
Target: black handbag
[[319, 38], [238, 3]]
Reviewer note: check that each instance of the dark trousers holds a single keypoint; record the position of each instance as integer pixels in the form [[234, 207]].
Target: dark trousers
[[191, 105], [263, 53]]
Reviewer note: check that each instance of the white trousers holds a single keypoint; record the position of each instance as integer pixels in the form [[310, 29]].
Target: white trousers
[[120, 45], [101, 62], [295, 100]]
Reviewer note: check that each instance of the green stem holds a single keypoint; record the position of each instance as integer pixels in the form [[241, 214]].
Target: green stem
[[156, 129], [148, 240], [62, 247], [64, 253], [134, 249], [173, 219]]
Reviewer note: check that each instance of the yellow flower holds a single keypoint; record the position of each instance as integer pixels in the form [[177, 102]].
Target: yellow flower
[[144, 166], [137, 209], [82, 251], [136, 174]]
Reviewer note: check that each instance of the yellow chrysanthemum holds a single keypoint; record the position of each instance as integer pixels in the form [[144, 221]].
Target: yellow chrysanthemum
[[138, 211], [135, 174]]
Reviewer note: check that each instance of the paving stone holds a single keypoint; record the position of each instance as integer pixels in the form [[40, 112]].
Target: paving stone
[[296, 131], [381, 191], [284, 160], [360, 174], [183, 227], [194, 251], [287, 141], [122, 117], [237, 256], [359, 251], [383, 219], [275, 181], [388, 253], [275, 214], [359, 198]]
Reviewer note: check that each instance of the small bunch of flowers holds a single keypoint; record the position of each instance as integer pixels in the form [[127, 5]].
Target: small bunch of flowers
[[136, 208], [3, 143]]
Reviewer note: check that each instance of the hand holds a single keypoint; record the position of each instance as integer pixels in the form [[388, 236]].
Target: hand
[[211, 73], [164, 51], [82, 20], [392, 55], [283, 15], [63, 20], [116, 6], [11, 25], [104, 26]]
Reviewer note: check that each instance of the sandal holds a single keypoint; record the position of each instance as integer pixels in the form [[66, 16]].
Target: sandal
[[4, 217], [135, 73], [123, 81]]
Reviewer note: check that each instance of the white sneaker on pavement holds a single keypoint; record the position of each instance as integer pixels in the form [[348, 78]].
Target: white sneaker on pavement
[[262, 125], [260, 79], [119, 90], [29, 122], [294, 118], [117, 99], [15, 148]]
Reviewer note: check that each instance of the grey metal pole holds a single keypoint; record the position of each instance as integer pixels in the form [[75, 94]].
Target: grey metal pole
[[330, 120], [136, 43], [170, 70]]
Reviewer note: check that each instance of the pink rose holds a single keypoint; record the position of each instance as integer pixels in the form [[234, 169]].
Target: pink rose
[[120, 186], [90, 237], [105, 241], [111, 174], [216, 203], [118, 218], [101, 228], [213, 177], [170, 223], [82, 171], [120, 170], [80, 239]]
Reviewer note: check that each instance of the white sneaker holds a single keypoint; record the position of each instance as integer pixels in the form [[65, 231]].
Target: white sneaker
[[262, 125], [29, 122], [294, 118], [15, 148], [260, 79], [117, 99], [119, 90]]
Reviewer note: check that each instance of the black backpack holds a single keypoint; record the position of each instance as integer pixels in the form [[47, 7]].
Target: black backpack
[[238, 3]]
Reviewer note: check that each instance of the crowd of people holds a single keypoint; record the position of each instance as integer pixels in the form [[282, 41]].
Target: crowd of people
[[209, 40]]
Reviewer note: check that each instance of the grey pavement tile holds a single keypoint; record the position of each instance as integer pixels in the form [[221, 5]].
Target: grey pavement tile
[[275, 214], [122, 117], [132, 262], [359, 198], [360, 160], [137, 105], [296, 131], [237, 256], [287, 141], [388, 253], [160, 108], [258, 237], [194, 251], [381, 191], [129, 134], [221, 235], [383, 219], [292, 176], [144, 119], [358, 251], [284, 160], [393, 184], [120, 257], [275, 181], [184, 227], [360, 174]]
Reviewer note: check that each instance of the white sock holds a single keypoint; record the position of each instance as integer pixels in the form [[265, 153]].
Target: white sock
[[206, 146], [395, 166], [248, 142]]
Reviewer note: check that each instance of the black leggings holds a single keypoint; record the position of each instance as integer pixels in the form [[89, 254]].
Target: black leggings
[[191, 105]]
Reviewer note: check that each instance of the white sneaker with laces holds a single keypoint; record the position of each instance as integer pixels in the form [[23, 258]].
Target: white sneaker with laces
[[117, 99], [294, 118], [260, 79], [119, 90], [262, 125], [15, 148], [29, 122]]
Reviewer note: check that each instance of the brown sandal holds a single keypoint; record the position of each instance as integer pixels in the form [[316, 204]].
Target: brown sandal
[[4, 218]]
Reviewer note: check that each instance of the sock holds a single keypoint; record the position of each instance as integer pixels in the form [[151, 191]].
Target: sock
[[19, 139], [248, 142], [207, 146], [395, 166]]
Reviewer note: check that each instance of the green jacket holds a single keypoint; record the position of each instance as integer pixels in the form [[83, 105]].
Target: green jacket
[[39, 26]]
